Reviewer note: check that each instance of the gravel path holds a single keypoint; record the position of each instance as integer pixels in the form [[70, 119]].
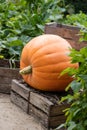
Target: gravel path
[[13, 118]]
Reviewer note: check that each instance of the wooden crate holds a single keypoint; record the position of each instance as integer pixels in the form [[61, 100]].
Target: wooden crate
[[43, 106], [7, 73], [20, 94], [70, 33]]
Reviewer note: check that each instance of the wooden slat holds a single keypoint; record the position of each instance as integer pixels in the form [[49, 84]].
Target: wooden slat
[[5, 88], [48, 122], [19, 101], [39, 115], [6, 76], [43, 106], [56, 121], [5, 80], [83, 44], [46, 103], [41, 102], [20, 89], [70, 33], [73, 44], [56, 110], [77, 45], [8, 79], [63, 30], [10, 73]]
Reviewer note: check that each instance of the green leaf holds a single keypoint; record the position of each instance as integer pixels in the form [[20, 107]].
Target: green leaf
[[76, 86], [40, 26], [10, 39], [72, 125], [61, 126], [77, 111], [15, 43], [85, 123], [69, 98], [68, 70]]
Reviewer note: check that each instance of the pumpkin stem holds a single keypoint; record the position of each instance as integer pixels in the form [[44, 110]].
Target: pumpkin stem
[[26, 70]]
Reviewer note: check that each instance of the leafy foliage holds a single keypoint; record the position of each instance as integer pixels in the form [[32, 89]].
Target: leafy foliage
[[76, 19], [22, 20], [77, 5], [79, 20], [77, 112]]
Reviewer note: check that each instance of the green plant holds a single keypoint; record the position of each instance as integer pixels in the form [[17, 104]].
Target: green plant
[[77, 5], [12, 21], [77, 112], [79, 20], [22, 20]]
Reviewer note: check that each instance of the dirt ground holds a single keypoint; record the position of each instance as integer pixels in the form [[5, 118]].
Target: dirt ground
[[13, 118]]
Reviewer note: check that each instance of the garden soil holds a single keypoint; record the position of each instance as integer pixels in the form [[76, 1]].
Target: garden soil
[[13, 118]]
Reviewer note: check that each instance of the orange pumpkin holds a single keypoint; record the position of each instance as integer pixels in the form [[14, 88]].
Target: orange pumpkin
[[42, 61]]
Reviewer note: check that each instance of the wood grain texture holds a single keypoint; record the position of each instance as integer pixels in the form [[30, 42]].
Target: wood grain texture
[[10, 73], [19, 101], [48, 122], [39, 115], [5, 88], [70, 33], [41, 102], [7, 74], [20, 89], [46, 105], [43, 106]]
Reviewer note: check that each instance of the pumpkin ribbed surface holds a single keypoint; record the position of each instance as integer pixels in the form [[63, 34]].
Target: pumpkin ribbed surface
[[48, 56]]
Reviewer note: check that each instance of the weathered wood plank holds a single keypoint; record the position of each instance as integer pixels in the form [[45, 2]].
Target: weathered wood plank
[[56, 121], [11, 73], [46, 105], [20, 88], [39, 115], [5, 80], [7, 74], [76, 44], [5, 88], [41, 102], [70, 33], [48, 122], [73, 44], [19, 101], [56, 110], [43, 106], [63, 30]]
